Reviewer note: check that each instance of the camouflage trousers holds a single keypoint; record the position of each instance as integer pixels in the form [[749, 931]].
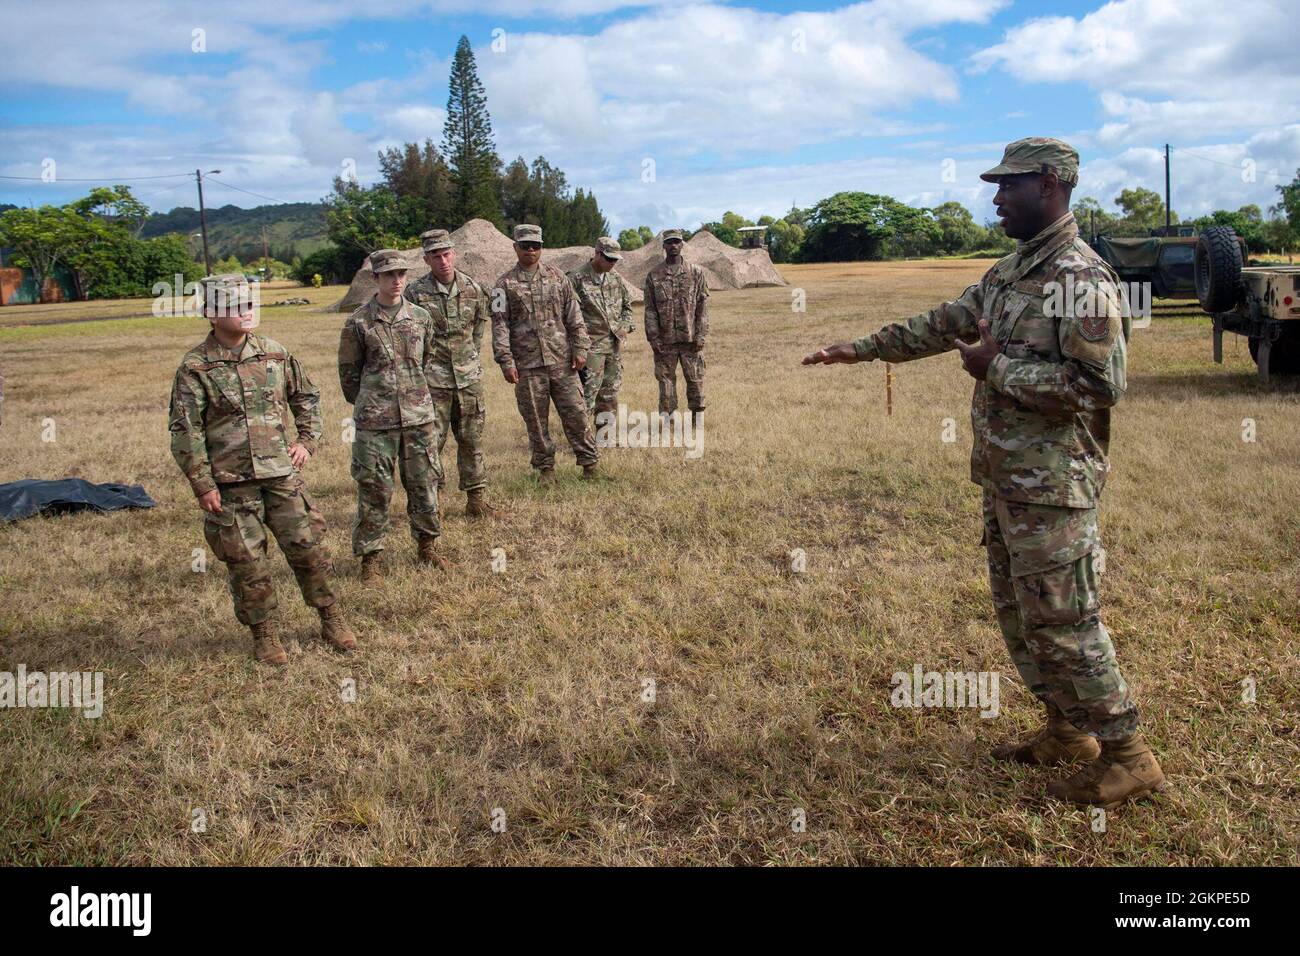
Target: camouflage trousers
[[1043, 575], [534, 392], [603, 378], [667, 356], [462, 412], [238, 538], [413, 452]]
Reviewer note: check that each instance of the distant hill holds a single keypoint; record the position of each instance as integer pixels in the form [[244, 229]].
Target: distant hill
[[291, 229]]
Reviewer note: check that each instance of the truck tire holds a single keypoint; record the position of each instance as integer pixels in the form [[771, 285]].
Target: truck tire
[[1284, 356], [1218, 269]]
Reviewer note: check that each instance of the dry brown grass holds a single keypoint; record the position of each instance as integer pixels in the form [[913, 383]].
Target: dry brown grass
[[522, 690]]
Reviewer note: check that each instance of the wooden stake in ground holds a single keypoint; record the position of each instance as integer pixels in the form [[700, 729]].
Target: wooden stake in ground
[[889, 389]]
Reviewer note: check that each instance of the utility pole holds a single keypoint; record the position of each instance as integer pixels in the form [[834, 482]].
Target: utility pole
[[1167, 222], [203, 219]]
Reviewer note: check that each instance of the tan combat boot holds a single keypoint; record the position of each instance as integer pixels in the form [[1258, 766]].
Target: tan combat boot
[[1126, 770], [428, 554], [477, 505], [546, 477], [372, 567], [1057, 743], [335, 630], [593, 473], [266, 646]]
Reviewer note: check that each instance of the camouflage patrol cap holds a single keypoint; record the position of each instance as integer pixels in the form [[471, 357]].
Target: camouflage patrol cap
[[1037, 154], [232, 283], [671, 234], [226, 290], [609, 248], [387, 260], [527, 232], [436, 239]]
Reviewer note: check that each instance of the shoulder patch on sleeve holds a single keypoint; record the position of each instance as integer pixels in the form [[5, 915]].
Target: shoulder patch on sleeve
[[1094, 317]]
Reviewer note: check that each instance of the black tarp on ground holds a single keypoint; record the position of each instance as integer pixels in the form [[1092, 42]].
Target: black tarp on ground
[[32, 496]]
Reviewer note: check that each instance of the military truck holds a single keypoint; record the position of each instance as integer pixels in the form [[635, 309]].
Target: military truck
[[1260, 302], [1167, 263]]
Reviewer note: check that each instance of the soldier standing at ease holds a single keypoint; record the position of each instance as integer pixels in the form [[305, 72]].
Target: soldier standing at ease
[[606, 303], [1045, 385], [228, 418], [676, 324], [384, 350], [540, 342], [458, 307]]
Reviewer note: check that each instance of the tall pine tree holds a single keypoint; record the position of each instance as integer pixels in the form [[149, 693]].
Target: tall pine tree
[[467, 143]]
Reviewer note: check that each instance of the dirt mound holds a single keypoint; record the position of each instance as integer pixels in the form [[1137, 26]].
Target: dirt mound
[[724, 266], [482, 251], [485, 253]]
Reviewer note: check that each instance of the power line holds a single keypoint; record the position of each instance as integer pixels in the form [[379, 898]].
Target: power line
[[102, 179], [1217, 162], [213, 179]]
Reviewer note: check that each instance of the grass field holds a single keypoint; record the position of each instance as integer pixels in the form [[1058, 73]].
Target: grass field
[[523, 690]]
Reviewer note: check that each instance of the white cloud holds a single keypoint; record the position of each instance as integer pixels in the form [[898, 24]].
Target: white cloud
[[1175, 70]]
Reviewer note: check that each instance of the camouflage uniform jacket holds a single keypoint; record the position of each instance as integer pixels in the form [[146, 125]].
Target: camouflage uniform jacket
[[536, 321], [382, 366], [228, 412], [460, 314], [606, 304], [676, 304], [1041, 420]]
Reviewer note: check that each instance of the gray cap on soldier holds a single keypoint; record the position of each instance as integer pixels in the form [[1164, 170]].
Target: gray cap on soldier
[[228, 282], [436, 239], [387, 260], [225, 289], [609, 248], [527, 232], [1037, 154], [670, 234]]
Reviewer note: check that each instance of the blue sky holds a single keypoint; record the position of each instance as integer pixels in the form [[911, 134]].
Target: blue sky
[[743, 105]]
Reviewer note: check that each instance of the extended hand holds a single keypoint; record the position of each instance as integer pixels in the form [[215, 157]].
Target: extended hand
[[511, 374], [298, 455], [211, 502], [976, 358], [579, 361], [834, 355]]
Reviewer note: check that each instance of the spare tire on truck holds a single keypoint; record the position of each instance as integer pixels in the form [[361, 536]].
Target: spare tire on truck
[[1218, 269]]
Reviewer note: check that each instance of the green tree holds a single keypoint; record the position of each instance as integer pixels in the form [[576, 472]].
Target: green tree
[[957, 229], [630, 239], [41, 239], [1143, 210], [784, 240], [422, 182], [1247, 222], [361, 220], [468, 143], [1277, 234], [1290, 201], [851, 226], [1090, 215], [540, 195]]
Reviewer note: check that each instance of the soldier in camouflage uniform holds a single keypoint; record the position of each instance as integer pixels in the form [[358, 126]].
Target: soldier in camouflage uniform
[[228, 422], [386, 351], [1047, 373], [606, 303], [458, 307], [540, 342], [677, 324]]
